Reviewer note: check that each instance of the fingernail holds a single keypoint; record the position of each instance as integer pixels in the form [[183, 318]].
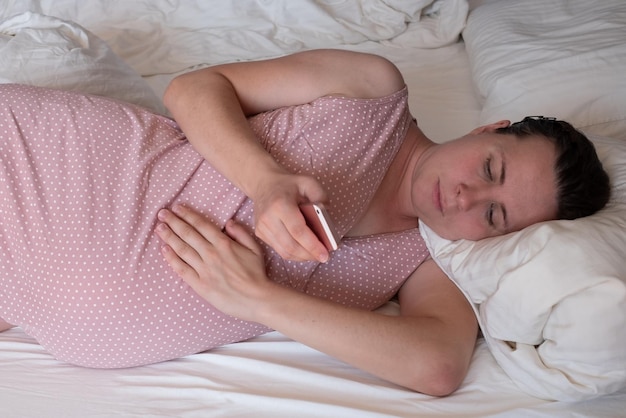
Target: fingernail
[[323, 258], [162, 214]]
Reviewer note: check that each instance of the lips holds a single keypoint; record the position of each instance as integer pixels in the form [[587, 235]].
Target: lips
[[437, 197]]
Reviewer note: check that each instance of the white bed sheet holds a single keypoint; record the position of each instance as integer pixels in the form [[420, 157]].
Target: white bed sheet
[[269, 376], [272, 376]]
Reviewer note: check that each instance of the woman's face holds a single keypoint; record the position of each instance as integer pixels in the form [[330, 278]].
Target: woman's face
[[485, 184]]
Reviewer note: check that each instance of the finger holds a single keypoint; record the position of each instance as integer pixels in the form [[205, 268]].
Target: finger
[[278, 237], [183, 259], [237, 232], [189, 274], [180, 225], [182, 238], [312, 191], [200, 223], [180, 267], [304, 236], [295, 241]]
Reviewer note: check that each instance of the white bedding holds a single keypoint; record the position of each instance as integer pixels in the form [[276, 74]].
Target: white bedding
[[552, 298], [269, 375], [563, 58]]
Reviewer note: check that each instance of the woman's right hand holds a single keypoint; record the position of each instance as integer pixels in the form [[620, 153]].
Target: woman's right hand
[[279, 221], [211, 106]]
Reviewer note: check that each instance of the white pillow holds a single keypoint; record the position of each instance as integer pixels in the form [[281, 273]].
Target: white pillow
[[563, 58], [551, 299], [49, 52]]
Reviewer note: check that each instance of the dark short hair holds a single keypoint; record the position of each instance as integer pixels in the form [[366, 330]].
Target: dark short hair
[[583, 185]]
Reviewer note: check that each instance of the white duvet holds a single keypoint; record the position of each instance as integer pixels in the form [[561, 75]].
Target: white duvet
[[171, 36]]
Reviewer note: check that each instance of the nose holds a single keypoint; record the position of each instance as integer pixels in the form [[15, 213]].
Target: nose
[[468, 197]]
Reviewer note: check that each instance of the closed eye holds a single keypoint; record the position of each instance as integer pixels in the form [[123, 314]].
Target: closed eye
[[490, 212], [492, 215], [496, 217], [488, 172]]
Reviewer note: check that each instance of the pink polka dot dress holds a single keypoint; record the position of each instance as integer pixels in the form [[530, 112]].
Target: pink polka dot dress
[[83, 177]]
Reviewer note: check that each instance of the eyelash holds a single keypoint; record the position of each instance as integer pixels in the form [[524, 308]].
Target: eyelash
[[488, 169], [490, 214], [492, 206]]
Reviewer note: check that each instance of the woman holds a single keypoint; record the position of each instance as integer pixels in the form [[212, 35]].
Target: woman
[[82, 266]]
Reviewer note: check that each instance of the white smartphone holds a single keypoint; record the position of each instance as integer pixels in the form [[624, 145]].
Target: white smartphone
[[320, 223]]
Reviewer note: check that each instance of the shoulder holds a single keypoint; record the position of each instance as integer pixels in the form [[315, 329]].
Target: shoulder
[[342, 72], [367, 75]]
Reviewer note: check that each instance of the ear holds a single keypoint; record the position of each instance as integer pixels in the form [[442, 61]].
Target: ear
[[491, 127]]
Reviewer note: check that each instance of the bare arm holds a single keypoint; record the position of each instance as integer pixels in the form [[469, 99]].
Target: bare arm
[[211, 106], [427, 347]]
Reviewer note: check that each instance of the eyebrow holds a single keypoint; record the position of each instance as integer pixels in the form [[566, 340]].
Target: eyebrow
[[502, 178]]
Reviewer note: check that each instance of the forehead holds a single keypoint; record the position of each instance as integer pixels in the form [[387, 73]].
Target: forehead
[[530, 188]]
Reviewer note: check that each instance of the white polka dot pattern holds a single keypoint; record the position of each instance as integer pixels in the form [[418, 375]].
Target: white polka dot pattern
[[81, 181], [347, 144]]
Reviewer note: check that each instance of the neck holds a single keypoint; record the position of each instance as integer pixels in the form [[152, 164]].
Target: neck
[[390, 209]]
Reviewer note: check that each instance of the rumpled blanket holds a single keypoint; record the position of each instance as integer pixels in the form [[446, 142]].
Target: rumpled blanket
[[171, 36]]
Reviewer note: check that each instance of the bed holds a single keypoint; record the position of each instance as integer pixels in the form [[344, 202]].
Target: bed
[[551, 300]]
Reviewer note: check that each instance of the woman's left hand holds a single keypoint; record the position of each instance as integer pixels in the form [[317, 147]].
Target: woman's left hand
[[228, 272]]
